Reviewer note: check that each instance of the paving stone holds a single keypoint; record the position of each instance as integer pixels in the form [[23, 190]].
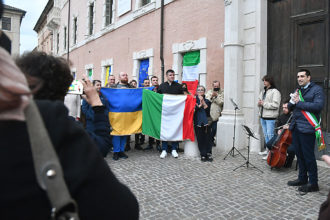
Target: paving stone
[[190, 189]]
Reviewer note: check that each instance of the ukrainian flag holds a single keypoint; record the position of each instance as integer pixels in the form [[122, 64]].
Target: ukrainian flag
[[125, 111]]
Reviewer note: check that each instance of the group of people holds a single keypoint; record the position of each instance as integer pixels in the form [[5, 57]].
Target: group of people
[[207, 112], [304, 109]]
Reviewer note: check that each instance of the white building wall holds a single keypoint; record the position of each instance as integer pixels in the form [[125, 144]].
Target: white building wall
[[14, 33], [249, 33]]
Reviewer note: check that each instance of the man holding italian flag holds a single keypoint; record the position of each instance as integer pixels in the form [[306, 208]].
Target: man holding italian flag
[[173, 88], [307, 103]]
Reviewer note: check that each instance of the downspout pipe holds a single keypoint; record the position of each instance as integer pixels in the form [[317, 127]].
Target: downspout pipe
[[68, 32], [162, 39]]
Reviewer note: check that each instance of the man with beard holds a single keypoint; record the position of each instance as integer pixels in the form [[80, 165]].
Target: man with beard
[[120, 141]]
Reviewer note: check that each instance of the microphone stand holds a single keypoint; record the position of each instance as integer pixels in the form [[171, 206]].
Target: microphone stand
[[232, 151]]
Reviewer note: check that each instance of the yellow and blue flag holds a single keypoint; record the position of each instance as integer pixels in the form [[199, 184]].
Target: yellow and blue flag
[[125, 110]]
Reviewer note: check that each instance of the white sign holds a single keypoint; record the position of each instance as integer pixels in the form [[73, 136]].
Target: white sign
[[76, 88], [123, 6]]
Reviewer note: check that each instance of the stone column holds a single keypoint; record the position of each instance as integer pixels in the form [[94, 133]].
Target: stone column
[[233, 79]]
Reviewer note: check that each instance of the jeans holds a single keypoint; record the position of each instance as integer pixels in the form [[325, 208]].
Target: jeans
[[175, 145], [268, 128], [119, 143]]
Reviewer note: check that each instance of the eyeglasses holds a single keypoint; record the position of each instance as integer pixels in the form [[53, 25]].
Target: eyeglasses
[[200, 90]]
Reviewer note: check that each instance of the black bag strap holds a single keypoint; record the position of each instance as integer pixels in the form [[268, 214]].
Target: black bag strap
[[48, 168]]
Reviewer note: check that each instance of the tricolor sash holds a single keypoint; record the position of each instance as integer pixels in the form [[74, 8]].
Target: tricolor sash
[[311, 118]]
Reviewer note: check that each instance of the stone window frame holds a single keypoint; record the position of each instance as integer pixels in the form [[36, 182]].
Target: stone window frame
[[104, 65], [88, 67], [65, 40], [88, 25], [113, 9], [178, 49], [74, 31], [74, 70], [140, 10], [6, 21], [141, 55]]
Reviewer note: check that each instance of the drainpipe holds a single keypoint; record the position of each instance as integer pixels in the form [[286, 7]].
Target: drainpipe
[[162, 38], [68, 37]]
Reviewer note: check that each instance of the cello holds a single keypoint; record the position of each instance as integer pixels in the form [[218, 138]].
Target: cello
[[277, 155]]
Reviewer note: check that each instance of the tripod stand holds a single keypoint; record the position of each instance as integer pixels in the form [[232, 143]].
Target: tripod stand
[[232, 151], [247, 163]]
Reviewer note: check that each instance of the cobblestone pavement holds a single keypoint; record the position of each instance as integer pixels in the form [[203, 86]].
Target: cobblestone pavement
[[190, 189]]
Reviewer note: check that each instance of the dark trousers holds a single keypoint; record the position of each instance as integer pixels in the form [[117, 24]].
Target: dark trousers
[[304, 148], [139, 139], [152, 141], [203, 135], [213, 129]]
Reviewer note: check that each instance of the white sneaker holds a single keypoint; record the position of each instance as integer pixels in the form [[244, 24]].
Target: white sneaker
[[163, 154], [174, 154], [265, 157], [263, 152]]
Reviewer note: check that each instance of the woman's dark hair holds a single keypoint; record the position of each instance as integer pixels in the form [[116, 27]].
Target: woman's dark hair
[[52, 72], [270, 80]]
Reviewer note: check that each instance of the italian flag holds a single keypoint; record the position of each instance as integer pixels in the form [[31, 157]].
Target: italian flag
[[168, 117], [191, 62]]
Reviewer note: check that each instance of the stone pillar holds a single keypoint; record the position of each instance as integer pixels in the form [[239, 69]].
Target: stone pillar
[[233, 79], [191, 149]]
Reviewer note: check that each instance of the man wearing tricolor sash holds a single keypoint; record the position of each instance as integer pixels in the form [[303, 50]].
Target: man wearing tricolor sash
[[306, 102]]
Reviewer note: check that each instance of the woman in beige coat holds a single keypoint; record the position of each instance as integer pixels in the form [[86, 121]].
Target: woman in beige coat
[[269, 105]]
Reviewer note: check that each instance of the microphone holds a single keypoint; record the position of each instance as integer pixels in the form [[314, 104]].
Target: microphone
[[234, 104]]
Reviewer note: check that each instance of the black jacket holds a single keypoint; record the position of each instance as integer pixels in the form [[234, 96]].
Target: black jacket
[[174, 89], [97, 191]]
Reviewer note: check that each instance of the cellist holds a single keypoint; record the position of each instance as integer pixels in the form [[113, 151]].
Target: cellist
[[307, 103], [282, 122]]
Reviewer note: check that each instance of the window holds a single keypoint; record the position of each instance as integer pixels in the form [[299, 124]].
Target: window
[[91, 18], [64, 38], [90, 73], [144, 2], [57, 42], [75, 30], [108, 12], [73, 74], [6, 23]]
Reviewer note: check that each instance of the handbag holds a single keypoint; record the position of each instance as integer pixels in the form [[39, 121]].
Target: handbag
[[47, 167]]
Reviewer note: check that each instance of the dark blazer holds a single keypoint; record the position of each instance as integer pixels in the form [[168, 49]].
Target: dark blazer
[[91, 183], [313, 102]]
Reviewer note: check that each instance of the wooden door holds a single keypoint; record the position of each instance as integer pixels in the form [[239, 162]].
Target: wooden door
[[298, 37]]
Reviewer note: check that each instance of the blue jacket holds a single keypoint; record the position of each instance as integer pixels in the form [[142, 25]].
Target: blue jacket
[[314, 102], [89, 113]]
